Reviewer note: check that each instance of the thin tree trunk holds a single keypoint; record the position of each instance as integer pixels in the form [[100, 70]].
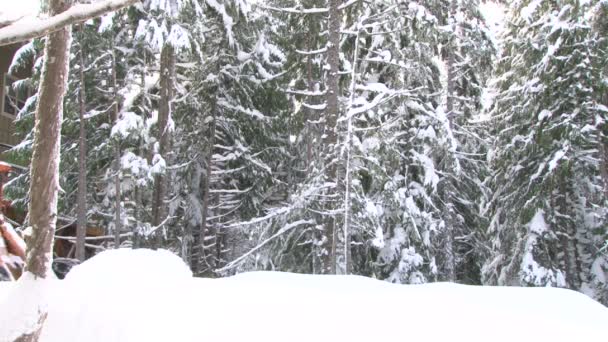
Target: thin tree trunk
[[603, 148], [206, 230], [450, 254], [220, 237], [138, 191], [44, 168], [81, 220], [167, 79], [117, 154], [309, 111], [331, 138], [347, 174]]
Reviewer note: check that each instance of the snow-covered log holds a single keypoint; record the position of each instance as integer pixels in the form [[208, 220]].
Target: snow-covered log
[[29, 28]]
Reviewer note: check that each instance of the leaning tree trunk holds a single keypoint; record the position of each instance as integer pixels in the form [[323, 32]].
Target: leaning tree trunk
[[167, 80], [331, 137]]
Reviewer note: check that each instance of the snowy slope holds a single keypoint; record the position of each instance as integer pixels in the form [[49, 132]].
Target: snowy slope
[[150, 296]]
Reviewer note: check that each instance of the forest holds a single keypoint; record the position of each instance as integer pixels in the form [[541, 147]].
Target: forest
[[416, 141]]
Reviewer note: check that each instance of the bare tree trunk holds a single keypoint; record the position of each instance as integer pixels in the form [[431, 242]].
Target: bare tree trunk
[[117, 190], [167, 84], [347, 172], [450, 253], [603, 148], [81, 220], [138, 191], [220, 236], [206, 230], [331, 138], [309, 111], [44, 168]]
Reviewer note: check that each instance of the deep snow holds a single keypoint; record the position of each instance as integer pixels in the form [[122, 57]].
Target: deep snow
[[142, 295]]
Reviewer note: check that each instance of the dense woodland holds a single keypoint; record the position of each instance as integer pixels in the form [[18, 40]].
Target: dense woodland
[[400, 140]]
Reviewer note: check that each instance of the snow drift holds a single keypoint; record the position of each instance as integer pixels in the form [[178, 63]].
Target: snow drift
[[142, 295]]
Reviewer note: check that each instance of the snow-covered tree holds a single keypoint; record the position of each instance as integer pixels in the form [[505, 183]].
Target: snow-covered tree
[[548, 205]]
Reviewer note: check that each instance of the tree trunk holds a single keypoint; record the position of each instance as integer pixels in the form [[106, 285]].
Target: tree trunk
[[309, 111], [451, 74], [44, 168], [81, 221], [138, 212], [167, 84], [206, 230], [331, 138], [603, 147], [348, 148], [117, 180]]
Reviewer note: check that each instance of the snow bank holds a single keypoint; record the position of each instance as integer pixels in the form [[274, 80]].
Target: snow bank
[[21, 304], [148, 296]]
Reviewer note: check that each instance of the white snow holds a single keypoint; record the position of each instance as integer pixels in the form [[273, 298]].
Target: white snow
[[537, 224], [26, 299], [529, 10], [141, 295], [18, 9]]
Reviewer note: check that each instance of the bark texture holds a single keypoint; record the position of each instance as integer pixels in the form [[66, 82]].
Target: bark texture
[[167, 85], [117, 154], [81, 220], [44, 168], [330, 136]]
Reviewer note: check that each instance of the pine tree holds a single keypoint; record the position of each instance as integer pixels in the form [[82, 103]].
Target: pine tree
[[547, 206]]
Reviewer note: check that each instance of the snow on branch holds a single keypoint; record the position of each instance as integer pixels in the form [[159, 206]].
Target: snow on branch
[[296, 10], [281, 231], [26, 29]]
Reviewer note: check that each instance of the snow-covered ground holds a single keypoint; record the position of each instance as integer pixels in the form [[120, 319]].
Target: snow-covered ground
[[142, 295]]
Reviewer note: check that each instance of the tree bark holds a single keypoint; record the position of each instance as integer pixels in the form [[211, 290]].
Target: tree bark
[[331, 138], [206, 230], [81, 219], [117, 154], [451, 74], [167, 84], [348, 152], [44, 168]]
